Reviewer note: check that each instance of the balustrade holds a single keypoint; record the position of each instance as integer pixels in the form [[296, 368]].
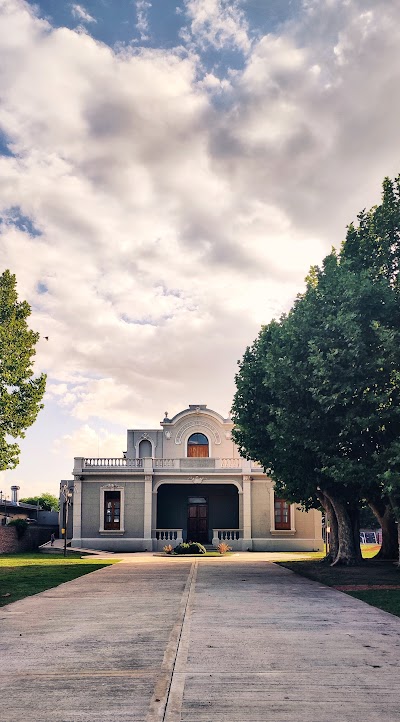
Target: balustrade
[[227, 534], [167, 534], [114, 462]]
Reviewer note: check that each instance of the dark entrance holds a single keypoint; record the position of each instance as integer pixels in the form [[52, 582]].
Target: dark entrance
[[197, 519]]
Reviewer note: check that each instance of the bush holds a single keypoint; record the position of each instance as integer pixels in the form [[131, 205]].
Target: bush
[[190, 548], [168, 548], [21, 526], [224, 548]]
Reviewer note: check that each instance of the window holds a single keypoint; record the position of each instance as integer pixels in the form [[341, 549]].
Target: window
[[112, 510], [282, 514], [197, 445], [145, 449]]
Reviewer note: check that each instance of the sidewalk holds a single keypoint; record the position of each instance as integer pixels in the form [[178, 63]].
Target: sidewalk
[[171, 640]]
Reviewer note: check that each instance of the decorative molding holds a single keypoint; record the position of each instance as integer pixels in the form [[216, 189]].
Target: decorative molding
[[201, 425], [197, 479], [168, 434], [148, 477]]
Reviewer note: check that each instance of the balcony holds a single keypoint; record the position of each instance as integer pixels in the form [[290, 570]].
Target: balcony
[[122, 465]]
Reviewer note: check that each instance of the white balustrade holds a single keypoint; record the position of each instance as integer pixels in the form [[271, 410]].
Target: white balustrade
[[168, 534], [166, 463], [166, 537], [227, 534], [114, 463], [230, 463]]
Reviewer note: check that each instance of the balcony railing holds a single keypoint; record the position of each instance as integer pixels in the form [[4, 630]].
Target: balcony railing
[[149, 465]]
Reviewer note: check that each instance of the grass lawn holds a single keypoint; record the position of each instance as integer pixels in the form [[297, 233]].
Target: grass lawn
[[370, 574], [22, 575]]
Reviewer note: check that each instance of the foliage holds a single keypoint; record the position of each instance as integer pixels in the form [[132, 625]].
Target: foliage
[[22, 575], [21, 526], [20, 392], [318, 393], [190, 548], [168, 548], [224, 548], [46, 501]]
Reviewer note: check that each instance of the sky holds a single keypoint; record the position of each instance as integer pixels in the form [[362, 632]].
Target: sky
[[169, 171]]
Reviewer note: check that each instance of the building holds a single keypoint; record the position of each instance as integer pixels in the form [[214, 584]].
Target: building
[[11, 509], [184, 481]]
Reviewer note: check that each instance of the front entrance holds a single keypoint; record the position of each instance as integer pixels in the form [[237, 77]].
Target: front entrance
[[197, 520]]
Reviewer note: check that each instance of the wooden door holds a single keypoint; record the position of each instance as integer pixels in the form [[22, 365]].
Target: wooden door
[[197, 523]]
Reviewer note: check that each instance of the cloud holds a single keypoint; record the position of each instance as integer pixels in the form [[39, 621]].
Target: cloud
[[142, 24], [90, 442], [170, 213], [79, 12], [219, 24]]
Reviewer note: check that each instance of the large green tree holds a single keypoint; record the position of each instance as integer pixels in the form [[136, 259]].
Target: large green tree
[[330, 382], [20, 392]]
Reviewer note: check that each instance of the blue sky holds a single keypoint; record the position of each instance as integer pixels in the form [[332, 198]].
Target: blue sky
[[169, 172]]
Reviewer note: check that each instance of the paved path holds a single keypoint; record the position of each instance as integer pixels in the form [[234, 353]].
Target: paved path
[[171, 640]]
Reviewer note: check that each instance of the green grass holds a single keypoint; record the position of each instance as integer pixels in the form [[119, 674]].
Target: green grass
[[387, 599], [22, 575]]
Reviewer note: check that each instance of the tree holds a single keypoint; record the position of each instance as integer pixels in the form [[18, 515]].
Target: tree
[[329, 419], [46, 501], [20, 392]]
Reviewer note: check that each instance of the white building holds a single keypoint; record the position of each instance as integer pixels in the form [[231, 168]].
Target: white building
[[184, 481]]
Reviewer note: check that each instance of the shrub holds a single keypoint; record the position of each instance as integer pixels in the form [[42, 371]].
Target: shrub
[[190, 548], [224, 548], [21, 526], [168, 548]]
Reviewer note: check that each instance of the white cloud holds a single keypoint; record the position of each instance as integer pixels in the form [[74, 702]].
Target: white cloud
[[217, 23], [142, 17], [172, 224], [79, 12], [90, 442]]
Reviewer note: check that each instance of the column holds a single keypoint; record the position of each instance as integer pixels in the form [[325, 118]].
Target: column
[[77, 515], [247, 537], [148, 506]]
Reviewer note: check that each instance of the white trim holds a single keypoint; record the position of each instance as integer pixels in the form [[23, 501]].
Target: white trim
[[187, 437], [199, 425], [144, 438], [121, 489], [204, 482]]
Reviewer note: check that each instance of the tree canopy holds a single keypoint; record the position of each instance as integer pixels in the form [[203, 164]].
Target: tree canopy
[[20, 392], [46, 501], [317, 400]]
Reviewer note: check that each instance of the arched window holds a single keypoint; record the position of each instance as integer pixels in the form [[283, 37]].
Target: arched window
[[145, 449], [197, 445]]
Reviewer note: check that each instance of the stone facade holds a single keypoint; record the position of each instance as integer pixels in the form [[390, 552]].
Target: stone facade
[[184, 481]]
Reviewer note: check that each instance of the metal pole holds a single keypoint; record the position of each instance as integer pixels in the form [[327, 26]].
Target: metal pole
[[65, 517]]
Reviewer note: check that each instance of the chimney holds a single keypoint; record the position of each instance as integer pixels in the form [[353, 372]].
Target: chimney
[[14, 494]]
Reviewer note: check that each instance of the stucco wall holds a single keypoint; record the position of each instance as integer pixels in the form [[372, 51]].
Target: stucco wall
[[260, 509], [134, 508]]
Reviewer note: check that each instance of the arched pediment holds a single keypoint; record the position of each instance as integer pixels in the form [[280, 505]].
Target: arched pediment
[[199, 425]]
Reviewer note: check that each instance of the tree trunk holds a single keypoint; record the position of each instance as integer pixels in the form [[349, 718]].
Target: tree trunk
[[348, 518], [384, 513], [331, 523]]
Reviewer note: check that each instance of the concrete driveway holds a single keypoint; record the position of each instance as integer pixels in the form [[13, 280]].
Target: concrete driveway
[[212, 640]]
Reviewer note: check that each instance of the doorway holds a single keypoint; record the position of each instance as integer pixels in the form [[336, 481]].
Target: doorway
[[197, 520]]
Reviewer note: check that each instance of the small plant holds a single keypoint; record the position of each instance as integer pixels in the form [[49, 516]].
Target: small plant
[[224, 548], [168, 548], [21, 526], [190, 548]]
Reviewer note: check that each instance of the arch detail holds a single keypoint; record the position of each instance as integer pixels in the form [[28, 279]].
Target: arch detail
[[199, 425], [197, 480]]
